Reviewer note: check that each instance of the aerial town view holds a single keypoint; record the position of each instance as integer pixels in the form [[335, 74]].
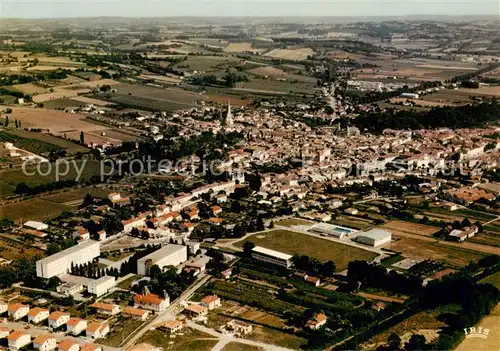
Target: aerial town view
[[249, 176]]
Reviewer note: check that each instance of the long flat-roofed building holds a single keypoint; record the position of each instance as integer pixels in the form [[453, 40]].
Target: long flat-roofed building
[[374, 237], [60, 262], [170, 255], [271, 256]]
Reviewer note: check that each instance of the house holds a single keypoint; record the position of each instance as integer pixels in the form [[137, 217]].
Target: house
[[58, 319], [97, 330], [240, 327], [70, 289], [90, 347], [172, 326], [227, 273], [317, 321], [195, 310], [4, 307], [101, 234], [18, 311], [187, 227], [216, 210], [312, 280], [211, 302], [76, 325], [38, 314], [68, 345], [464, 233], [151, 302], [45, 343], [81, 234], [4, 332], [135, 313], [106, 308], [18, 339], [193, 246]]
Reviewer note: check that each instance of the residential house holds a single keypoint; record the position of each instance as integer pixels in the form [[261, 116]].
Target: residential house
[[317, 321], [101, 234], [4, 307], [216, 210], [151, 302], [37, 315], [45, 343], [81, 234], [312, 280], [4, 332], [195, 310], [58, 319], [211, 302], [106, 308], [76, 325], [135, 313], [97, 330], [18, 311], [172, 326], [18, 339], [227, 273], [240, 327], [90, 347], [68, 345]]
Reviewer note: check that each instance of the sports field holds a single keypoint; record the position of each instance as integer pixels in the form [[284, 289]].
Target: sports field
[[296, 243]]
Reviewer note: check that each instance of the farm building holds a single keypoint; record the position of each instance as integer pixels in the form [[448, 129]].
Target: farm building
[[36, 225], [374, 237], [271, 256], [170, 255], [331, 230], [461, 235]]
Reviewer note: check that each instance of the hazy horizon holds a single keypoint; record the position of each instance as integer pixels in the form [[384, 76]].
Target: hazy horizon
[[55, 9]]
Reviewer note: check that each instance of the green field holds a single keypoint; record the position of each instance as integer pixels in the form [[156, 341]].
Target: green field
[[493, 280], [235, 346], [34, 137], [290, 222], [297, 243], [62, 103], [187, 340], [34, 145]]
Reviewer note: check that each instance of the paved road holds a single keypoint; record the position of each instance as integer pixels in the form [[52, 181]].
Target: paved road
[[166, 315], [34, 331], [224, 339]]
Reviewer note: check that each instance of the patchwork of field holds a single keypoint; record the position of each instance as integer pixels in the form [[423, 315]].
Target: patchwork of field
[[70, 147], [152, 98], [47, 207], [30, 88], [453, 255], [401, 228], [296, 243], [290, 54], [205, 63], [491, 322], [261, 85], [72, 90], [233, 100], [90, 101], [243, 47], [274, 72]]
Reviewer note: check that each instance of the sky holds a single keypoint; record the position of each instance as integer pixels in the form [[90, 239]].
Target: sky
[[219, 8]]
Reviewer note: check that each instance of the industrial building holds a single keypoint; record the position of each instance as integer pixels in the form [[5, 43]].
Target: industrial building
[[271, 256], [170, 255], [375, 237], [331, 230], [60, 263]]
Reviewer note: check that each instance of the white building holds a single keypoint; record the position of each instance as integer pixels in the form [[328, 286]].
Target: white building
[[375, 237], [36, 225], [45, 343], [4, 307], [68, 345], [331, 230], [97, 330], [193, 246], [170, 255], [58, 319], [18, 339], [18, 311], [211, 301], [102, 285], [271, 256], [37, 315], [60, 262], [76, 325], [151, 302], [69, 289]]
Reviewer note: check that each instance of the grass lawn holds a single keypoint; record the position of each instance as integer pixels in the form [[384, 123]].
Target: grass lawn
[[296, 243], [190, 340], [120, 331], [235, 346], [127, 283], [275, 337], [493, 279]]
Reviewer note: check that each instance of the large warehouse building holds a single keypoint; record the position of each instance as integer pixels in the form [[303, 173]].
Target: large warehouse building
[[375, 237], [271, 256], [60, 263], [170, 255], [331, 230]]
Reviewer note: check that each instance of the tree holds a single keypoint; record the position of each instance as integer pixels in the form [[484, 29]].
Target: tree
[[248, 247], [416, 342], [17, 125], [254, 182], [52, 249], [7, 121], [82, 138], [465, 222], [394, 342]]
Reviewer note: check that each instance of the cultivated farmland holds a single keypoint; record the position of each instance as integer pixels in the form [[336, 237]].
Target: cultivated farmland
[[290, 54]]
